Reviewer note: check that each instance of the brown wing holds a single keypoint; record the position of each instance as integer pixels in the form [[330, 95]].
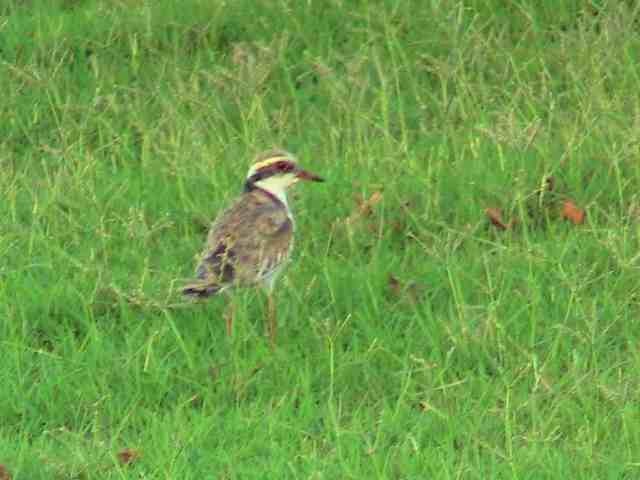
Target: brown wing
[[245, 244]]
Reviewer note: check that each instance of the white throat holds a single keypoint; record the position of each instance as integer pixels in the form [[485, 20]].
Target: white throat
[[277, 186]]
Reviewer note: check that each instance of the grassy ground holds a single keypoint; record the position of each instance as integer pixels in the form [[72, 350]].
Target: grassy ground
[[417, 340]]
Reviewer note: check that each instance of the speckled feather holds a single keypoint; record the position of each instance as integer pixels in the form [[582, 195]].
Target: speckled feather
[[247, 244]]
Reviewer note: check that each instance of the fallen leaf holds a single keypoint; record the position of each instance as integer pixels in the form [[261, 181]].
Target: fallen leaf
[[546, 195], [398, 218], [394, 285], [550, 184], [572, 213], [128, 456], [365, 207], [321, 69], [398, 226], [410, 292], [4, 473], [495, 217]]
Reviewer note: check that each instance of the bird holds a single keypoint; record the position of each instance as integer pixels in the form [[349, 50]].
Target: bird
[[251, 241]]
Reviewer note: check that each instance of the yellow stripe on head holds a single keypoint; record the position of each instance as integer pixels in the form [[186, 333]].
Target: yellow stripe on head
[[270, 157]]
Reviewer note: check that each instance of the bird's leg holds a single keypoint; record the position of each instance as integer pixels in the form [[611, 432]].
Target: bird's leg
[[229, 316], [273, 321]]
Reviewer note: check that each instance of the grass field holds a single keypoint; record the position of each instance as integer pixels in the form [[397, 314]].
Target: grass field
[[417, 339]]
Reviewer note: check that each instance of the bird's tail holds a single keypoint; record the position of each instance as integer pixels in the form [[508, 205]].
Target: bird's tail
[[200, 290]]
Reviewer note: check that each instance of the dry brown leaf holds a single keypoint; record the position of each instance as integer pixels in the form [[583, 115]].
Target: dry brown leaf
[[550, 184], [394, 285], [128, 456], [241, 54], [572, 213], [4, 473], [321, 69], [495, 217], [364, 207], [398, 226], [410, 292], [398, 221]]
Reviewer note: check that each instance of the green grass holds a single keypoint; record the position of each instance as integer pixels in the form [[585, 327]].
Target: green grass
[[126, 125]]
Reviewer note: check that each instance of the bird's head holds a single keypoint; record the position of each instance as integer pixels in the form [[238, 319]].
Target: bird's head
[[275, 171]]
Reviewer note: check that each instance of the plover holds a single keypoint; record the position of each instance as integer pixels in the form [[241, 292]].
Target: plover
[[251, 241]]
